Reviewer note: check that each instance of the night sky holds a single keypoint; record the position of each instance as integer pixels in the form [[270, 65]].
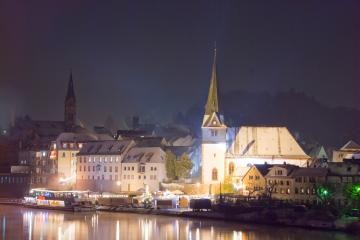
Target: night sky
[[153, 58]]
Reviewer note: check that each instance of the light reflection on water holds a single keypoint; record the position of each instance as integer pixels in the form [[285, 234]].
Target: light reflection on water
[[22, 223]]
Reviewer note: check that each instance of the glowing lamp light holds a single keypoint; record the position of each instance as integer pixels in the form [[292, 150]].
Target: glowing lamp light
[[118, 183], [197, 184], [238, 186]]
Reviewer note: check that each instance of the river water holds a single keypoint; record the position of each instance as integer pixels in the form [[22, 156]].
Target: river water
[[22, 223]]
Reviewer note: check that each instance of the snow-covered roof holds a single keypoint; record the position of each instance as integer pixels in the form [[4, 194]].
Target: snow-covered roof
[[351, 145], [265, 142], [318, 152]]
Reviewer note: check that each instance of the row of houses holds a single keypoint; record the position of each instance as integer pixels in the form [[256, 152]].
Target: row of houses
[[293, 183], [120, 166]]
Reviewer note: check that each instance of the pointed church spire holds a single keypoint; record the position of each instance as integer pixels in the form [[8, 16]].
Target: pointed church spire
[[70, 106], [70, 94], [212, 104]]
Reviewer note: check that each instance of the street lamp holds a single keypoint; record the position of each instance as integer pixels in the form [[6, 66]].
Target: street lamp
[[118, 183]]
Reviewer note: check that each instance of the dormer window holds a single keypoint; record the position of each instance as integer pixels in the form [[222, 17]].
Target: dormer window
[[214, 133]]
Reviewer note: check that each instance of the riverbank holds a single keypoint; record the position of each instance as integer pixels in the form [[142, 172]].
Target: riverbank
[[278, 217]]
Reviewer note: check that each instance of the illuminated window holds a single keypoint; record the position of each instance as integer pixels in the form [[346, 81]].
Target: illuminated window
[[231, 168], [214, 175]]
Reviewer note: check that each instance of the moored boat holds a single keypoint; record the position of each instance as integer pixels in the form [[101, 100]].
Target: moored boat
[[58, 200]]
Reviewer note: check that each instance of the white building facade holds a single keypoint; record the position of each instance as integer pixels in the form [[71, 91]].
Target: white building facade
[[119, 166], [226, 150], [143, 169]]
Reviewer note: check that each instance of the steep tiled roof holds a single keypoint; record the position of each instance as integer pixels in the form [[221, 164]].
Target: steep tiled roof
[[113, 147], [311, 172], [145, 155], [263, 168]]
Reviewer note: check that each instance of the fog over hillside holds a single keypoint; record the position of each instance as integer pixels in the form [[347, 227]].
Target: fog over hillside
[[311, 121]]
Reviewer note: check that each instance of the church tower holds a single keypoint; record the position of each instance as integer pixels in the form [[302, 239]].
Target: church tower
[[213, 136], [70, 106]]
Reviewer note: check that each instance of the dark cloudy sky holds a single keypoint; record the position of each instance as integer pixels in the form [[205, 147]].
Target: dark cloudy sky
[[153, 57]]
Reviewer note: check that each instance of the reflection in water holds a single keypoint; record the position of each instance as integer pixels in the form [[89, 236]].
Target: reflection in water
[[22, 223]]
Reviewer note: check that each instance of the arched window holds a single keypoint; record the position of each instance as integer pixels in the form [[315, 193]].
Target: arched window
[[231, 168], [214, 174]]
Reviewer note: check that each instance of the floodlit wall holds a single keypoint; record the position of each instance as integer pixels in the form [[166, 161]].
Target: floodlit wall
[[213, 157]]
